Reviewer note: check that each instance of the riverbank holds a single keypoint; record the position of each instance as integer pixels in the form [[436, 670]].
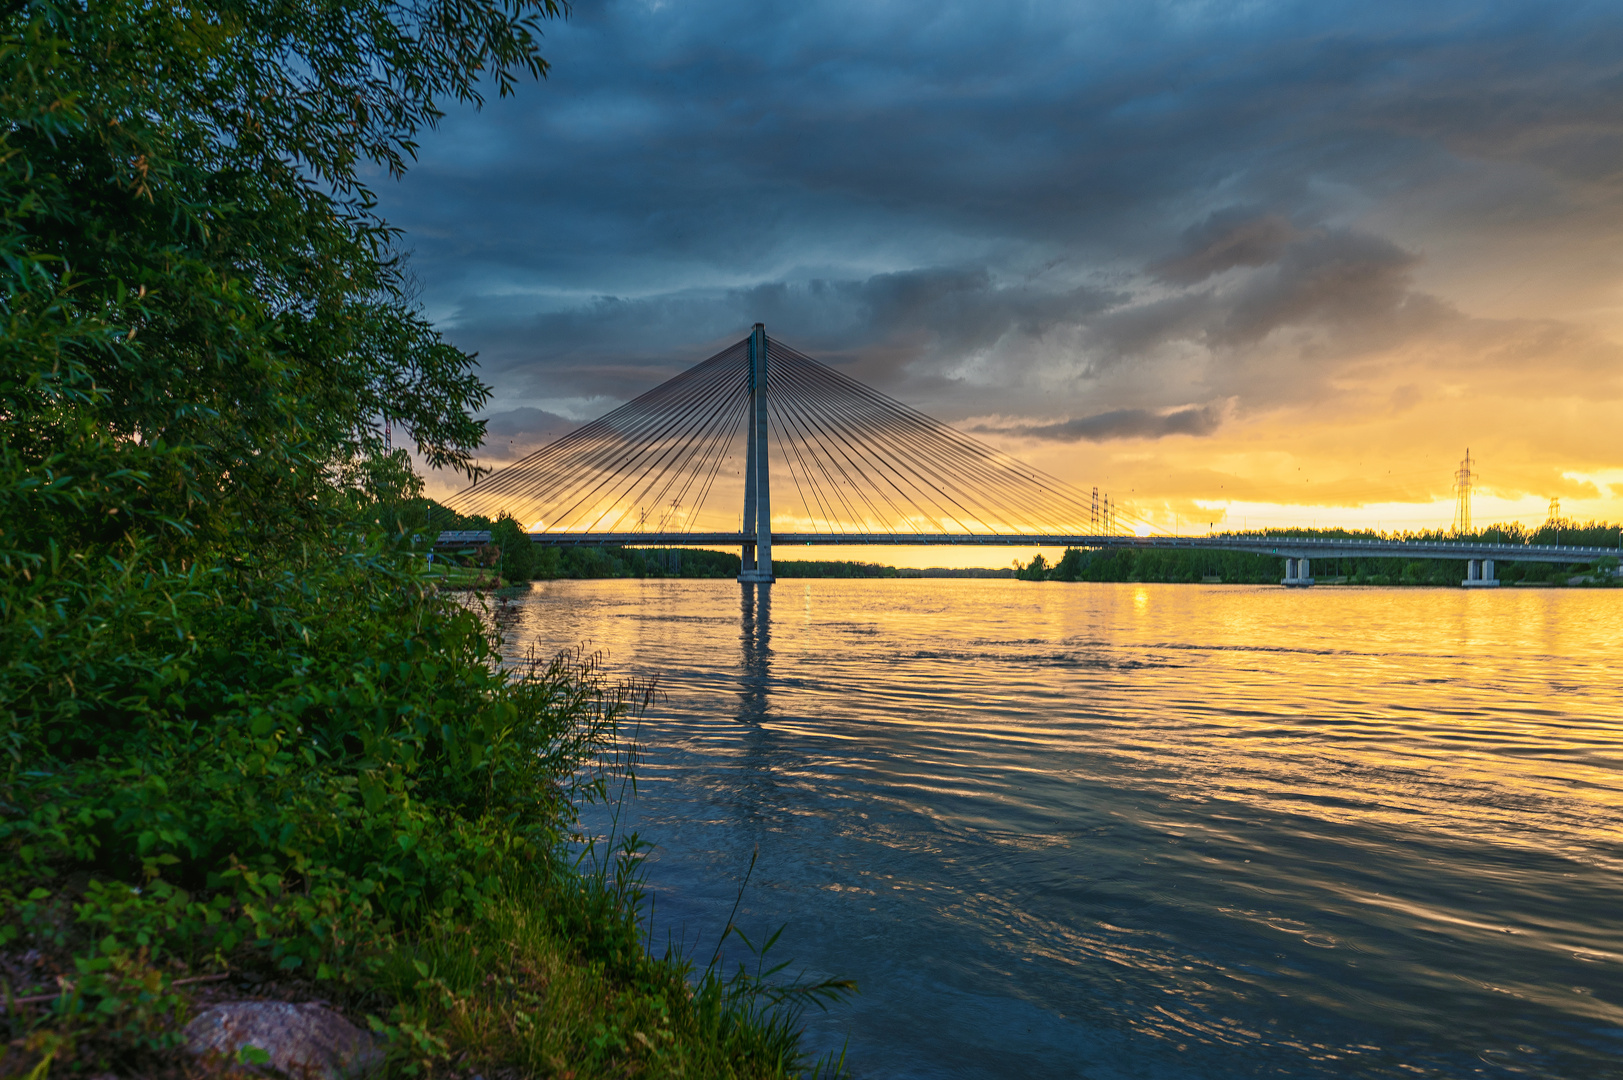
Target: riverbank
[[333, 792]]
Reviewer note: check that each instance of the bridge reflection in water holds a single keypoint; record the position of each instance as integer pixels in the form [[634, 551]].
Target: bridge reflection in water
[[755, 633]]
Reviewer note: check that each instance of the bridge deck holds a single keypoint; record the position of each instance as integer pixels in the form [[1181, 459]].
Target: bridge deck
[[1293, 547]]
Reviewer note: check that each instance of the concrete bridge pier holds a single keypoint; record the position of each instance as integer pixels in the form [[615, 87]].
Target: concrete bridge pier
[[1297, 574], [1479, 574]]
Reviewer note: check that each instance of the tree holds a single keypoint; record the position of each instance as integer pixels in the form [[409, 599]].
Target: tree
[[1035, 570], [518, 553], [1070, 565], [203, 313]]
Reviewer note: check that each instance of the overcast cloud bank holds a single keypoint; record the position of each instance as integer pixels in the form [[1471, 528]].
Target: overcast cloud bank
[[1077, 219]]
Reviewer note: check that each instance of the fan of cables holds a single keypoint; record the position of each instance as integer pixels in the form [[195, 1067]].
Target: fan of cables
[[649, 465], [844, 460]]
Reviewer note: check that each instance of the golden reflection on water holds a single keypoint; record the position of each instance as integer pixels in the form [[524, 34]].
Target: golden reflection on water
[[1389, 806], [1449, 709]]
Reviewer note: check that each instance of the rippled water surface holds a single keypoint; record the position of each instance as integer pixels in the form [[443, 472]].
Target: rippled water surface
[[1143, 830]]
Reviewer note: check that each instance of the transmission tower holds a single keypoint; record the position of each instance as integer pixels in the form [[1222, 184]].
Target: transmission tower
[[1555, 511], [1094, 521], [1462, 495]]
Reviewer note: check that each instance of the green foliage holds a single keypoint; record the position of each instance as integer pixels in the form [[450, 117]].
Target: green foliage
[[521, 560], [203, 316], [648, 562], [799, 568], [240, 726], [348, 785], [1243, 568], [284, 769], [1035, 570], [509, 991], [517, 553], [1070, 566], [1416, 573]]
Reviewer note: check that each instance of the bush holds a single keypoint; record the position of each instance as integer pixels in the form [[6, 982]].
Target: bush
[[270, 768], [323, 773]]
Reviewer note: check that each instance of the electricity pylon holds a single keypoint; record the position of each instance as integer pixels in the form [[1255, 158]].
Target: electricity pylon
[[1462, 495]]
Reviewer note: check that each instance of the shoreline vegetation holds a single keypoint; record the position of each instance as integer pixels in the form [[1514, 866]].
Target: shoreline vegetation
[[1234, 567], [249, 749]]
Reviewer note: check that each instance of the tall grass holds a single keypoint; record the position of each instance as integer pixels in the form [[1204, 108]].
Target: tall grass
[[558, 977]]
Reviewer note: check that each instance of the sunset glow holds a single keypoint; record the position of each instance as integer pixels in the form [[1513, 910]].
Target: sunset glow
[[1238, 267]]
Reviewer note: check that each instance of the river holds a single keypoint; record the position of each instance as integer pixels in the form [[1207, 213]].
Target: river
[[1101, 830]]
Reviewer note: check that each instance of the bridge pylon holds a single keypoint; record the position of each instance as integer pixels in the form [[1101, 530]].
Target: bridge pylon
[[757, 554]]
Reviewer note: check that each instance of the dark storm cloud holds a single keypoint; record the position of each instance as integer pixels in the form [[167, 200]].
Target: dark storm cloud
[[1121, 424], [878, 328], [979, 206], [1230, 237], [519, 421], [1334, 277]]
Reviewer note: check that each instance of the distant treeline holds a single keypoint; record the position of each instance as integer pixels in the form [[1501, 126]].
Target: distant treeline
[[516, 558], [799, 568], [958, 572], [1238, 567], [1554, 533], [520, 560], [548, 563]]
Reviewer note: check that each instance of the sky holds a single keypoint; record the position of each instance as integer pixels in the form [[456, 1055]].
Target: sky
[[1239, 264]]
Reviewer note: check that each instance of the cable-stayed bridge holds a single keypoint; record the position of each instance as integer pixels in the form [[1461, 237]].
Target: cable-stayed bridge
[[762, 445]]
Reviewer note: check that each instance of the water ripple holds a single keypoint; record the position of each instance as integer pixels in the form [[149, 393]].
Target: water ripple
[[1144, 831]]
